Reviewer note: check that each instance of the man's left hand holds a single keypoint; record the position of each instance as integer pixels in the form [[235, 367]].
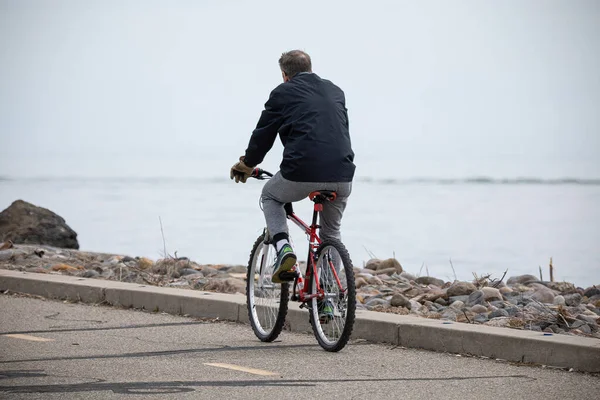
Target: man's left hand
[[240, 171]]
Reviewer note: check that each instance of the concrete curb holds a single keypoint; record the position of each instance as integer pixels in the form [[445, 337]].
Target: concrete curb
[[563, 351]]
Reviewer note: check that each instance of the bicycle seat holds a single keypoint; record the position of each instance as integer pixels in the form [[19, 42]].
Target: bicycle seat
[[321, 196]]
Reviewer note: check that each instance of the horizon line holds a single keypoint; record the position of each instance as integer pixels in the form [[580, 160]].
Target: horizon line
[[490, 180]]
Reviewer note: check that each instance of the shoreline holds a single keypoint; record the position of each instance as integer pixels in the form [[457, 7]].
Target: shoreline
[[521, 302]]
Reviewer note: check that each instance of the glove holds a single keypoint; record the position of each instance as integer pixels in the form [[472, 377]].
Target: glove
[[240, 171]]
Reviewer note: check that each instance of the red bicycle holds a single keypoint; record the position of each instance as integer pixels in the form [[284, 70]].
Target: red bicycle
[[326, 288]]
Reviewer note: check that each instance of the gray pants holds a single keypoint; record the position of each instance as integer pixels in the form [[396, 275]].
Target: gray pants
[[278, 191]]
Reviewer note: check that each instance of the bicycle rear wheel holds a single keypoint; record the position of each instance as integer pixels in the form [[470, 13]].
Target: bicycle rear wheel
[[267, 302], [332, 317]]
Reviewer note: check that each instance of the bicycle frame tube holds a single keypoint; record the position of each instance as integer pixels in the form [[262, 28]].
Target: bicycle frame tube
[[313, 241]]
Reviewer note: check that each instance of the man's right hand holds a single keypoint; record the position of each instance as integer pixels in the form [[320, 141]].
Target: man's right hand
[[240, 171]]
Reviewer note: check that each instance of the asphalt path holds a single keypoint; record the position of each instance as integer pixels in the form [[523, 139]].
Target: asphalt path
[[56, 350]]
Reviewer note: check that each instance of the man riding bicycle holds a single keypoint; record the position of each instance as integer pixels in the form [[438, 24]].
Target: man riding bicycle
[[310, 115]]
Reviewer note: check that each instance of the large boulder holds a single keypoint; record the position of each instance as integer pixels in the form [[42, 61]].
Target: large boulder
[[521, 279], [389, 266], [461, 289], [429, 280], [24, 223]]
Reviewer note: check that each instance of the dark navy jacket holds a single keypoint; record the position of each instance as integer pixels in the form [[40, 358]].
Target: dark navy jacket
[[312, 120]]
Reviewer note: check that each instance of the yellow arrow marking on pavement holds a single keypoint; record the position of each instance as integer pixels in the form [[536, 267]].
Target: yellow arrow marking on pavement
[[243, 369], [29, 337]]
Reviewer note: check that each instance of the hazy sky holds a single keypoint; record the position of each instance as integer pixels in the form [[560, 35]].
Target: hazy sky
[[110, 88]]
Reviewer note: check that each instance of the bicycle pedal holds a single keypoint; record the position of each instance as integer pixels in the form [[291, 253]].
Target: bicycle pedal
[[288, 276]]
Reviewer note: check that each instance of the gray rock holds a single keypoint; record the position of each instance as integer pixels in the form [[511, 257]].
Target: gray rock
[[543, 296], [572, 300], [577, 324], [513, 300], [562, 287], [90, 273], [189, 271], [199, 284], [441, 301], [588, 318], [449, 314], [477, 297], [490, 293], [179, 284], [108, 273], [480, 318], [132, 277], [525, 299], [534, 327], [389, 266], [24, 223], [375, 281], [499, 322], [414, 305], [402, 285], [372, 264], [399, 278], [585, 329], [479, 309], [239, 269], [114, 260], [521, 279], [498, 313], [457, 305], [398, 300], [594, 298], [209, 271], [408, 276], [461, 289], [559, 301], [536, 308], [512, 311], [5, 255], [360, 282], [375, 302], [591, 291], [127, 259], [452, 299], [429, 280]]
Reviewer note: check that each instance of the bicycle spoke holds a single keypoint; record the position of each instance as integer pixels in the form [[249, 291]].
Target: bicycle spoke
[[266, 310], [333, 310]]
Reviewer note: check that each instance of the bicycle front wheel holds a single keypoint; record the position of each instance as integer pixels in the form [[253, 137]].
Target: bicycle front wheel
[[267, 302], [332, 313]]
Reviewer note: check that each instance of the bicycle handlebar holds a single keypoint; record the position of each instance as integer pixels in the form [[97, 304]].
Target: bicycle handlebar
[[260, 174]]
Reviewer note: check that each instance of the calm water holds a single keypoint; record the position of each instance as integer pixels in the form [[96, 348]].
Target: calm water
[[484, 226]]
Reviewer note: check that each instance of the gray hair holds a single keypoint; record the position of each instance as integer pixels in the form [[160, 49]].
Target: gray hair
[[294, 62]]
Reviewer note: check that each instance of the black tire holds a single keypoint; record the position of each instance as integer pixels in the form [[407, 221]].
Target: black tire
[[267, 317], [334, 334]]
